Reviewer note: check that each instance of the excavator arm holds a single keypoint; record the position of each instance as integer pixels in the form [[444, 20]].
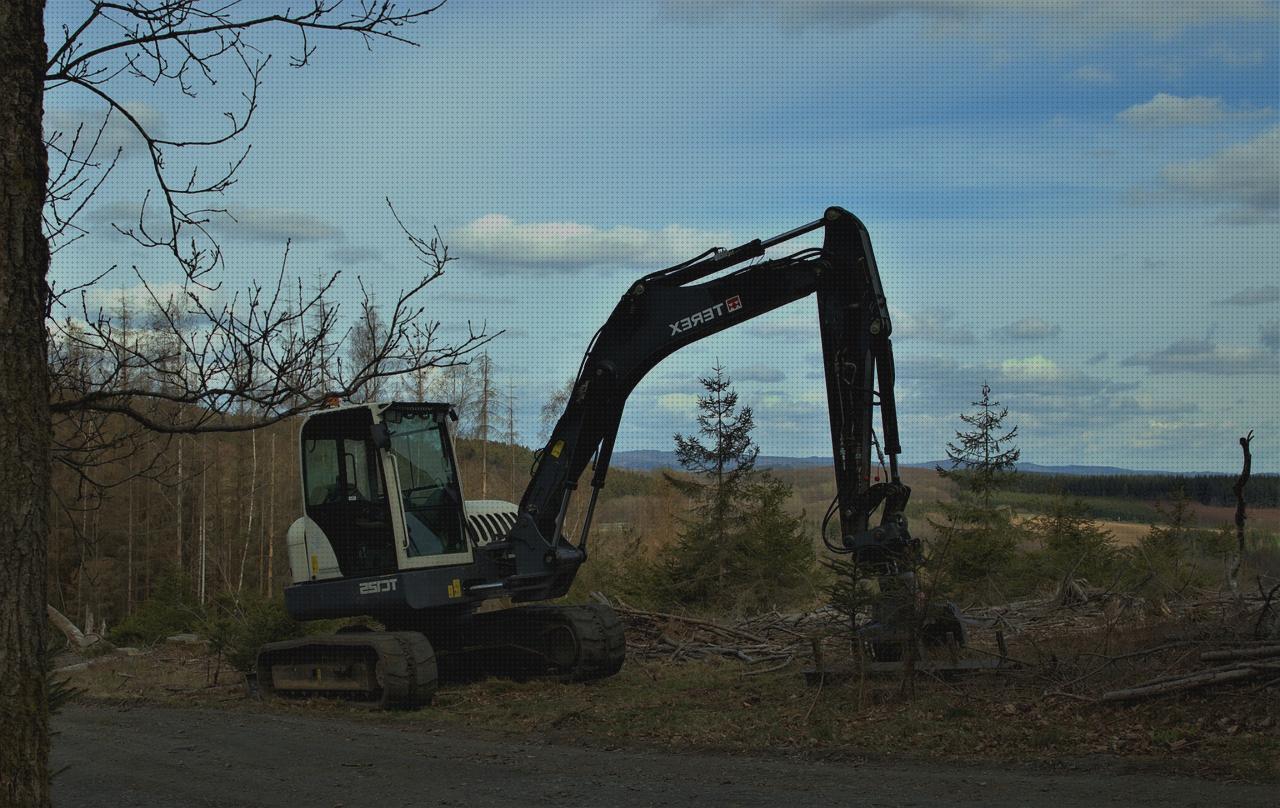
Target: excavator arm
[[667, 310]]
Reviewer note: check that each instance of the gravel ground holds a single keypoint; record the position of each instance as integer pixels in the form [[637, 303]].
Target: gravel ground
[[160, 756]]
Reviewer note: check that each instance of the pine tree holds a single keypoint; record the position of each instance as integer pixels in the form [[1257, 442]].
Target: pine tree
[[1074, 545], [1162, 565], [977, 539], [739, 548], [983, 460], [727, 457]]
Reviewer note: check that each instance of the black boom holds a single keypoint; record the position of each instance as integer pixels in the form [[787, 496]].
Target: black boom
[[667, 310]]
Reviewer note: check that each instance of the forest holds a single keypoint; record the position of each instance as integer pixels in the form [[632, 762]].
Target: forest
[[202, 517], [1206, 489]]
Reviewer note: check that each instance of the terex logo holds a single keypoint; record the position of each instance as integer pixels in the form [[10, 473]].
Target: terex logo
[[706, 315], [374, 587]]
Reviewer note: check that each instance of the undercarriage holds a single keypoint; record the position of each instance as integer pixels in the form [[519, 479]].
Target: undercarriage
[[400, 669]]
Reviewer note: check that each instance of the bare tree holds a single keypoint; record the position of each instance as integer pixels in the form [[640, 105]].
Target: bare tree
[[366, 340], [1237, 558], [79, 389], [459, 386], [554, 407]]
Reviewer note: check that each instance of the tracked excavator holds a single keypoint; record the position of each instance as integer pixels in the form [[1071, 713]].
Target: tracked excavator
[[388, 534]]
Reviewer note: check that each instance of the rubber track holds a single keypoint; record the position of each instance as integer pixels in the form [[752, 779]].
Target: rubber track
[[407, 663], [602, 644]]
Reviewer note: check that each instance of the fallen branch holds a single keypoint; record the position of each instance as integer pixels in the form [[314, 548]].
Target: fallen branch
[[1259, 652], [707, 624], [771, 669], [1216, 676]]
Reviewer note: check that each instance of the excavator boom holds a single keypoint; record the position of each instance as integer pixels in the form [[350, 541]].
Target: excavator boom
[[667, 310]]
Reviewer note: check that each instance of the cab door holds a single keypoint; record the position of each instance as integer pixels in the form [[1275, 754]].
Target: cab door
[[421, 471]]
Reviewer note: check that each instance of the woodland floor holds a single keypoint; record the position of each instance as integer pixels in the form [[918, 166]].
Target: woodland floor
[[688, 722]]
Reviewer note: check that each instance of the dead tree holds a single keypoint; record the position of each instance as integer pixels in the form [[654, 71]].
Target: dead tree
[[1233, 575]]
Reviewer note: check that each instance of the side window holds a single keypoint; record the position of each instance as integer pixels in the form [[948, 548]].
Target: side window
[[357, 460], [321, 469], [362, 471]]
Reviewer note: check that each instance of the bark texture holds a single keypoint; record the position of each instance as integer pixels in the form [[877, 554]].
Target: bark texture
[[24, 408]]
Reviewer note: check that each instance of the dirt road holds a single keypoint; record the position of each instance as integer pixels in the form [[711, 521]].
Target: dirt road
[[157, 756]]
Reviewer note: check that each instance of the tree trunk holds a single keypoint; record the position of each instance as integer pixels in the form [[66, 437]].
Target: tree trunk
[[271, 524], [178, 544], [204, 509], [248, 531], [128, 586], [1233, 574], [24, 409]]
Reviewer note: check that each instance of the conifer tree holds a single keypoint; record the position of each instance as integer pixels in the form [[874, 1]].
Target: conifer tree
[[739, 549], [982, 459], [1074, 545], [977, 538]]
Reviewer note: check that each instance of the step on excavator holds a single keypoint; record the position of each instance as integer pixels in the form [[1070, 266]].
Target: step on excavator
[[387, 533]]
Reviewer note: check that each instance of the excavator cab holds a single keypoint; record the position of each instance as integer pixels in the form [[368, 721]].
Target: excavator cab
[[381, 491], [345, 491], [421, 458]]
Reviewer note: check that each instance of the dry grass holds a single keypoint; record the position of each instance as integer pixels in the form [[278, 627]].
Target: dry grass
[[167, 674], [1127, 534]]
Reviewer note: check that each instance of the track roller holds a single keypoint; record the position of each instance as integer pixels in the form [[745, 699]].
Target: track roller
[[573, 643], [385, 670]]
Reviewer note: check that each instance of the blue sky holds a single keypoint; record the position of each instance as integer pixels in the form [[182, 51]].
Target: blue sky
[[1075, 201]]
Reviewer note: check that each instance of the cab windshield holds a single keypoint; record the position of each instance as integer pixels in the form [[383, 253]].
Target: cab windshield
[[428, 482]]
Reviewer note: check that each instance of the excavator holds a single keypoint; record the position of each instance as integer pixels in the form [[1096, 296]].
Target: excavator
[[387, 533]]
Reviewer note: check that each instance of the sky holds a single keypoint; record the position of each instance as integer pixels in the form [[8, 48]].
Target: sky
[[1076, 202]]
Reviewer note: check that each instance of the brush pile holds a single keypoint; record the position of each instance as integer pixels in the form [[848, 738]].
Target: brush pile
[[1243, 662], [771, 641]]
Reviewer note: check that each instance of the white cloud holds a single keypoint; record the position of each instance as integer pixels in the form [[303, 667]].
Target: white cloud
[[930, 324], [135, 299], [500, 240], [1203, 356], [1245, 175], [350, 254], [1160, 18], [1252, 296], [117, 133], [1269, 336], [1029, 328], [1032, 369], [763, 374], [678, 402], [1091, 74], [249, 224], [276, 225], [1234, 57], [1166, 111]]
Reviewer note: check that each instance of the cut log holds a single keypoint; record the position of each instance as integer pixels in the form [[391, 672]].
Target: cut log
[[1259, 652], [74, 635], [1214, 676], [1186, 683]]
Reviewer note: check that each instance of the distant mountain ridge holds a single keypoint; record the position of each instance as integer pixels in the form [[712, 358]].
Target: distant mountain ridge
[[650, 459]]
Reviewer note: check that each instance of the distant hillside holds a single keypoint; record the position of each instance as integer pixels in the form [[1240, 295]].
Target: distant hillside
[[1076, 471], [650, 459]]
